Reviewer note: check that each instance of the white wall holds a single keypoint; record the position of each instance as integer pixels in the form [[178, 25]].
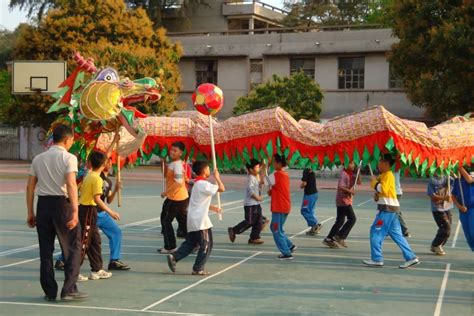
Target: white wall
[[31, 142], [376, 72], [278, 65], [326, 72], [233, 79], [188, 74]]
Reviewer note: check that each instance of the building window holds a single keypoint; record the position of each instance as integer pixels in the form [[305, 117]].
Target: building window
[[256, 72], [394, 81], [351, 73], [302, 64], [206, 72]]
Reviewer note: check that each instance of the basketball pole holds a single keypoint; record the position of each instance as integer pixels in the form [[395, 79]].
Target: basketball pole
[[214, 163]]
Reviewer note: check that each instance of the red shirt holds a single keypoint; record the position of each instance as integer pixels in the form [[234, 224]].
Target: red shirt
[[281, 201]]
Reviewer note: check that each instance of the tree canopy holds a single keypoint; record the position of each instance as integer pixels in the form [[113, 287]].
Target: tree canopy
[[435, 53], [326, 12], [170, 14], [297, 94], [110, 33]]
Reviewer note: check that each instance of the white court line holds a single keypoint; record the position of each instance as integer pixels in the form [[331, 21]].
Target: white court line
[[152, 227], [365, 202], [25, 261], [200, 281], [456, 234], [17, 250], [306, 229], [100, 308], [442, 290]]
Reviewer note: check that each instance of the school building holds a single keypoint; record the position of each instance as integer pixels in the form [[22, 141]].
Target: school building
[[239, 44]]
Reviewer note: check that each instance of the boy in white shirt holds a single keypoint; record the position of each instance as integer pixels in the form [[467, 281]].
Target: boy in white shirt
[[198, 221]]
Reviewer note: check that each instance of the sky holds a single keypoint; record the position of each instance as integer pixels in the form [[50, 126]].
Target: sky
[[10, 19]]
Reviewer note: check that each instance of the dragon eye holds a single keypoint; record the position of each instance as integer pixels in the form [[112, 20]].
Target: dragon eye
[[108, 78]]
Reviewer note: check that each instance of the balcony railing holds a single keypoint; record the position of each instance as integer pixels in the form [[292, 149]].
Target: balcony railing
[[298, 29], [260, 3]]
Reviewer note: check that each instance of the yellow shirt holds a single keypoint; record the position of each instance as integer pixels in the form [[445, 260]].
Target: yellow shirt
[[384, 185], [91, 186]]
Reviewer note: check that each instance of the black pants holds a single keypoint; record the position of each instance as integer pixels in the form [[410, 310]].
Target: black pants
[[403, 224], [203, 238], [253, 218], [444, 221], [171, 210], [91, 242], [339, 228], [53, 213]]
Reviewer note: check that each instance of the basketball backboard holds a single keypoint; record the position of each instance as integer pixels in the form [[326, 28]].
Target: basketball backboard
[[37, 76]]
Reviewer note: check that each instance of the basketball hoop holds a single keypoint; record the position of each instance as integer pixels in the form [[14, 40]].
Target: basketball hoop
[[37, 91]]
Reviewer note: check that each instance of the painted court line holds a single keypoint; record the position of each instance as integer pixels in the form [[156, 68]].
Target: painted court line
[[199, 282], [152, 227], [442, 290], [456, 234], [305, 230], [365, 202], [100, 308], [17, 250]]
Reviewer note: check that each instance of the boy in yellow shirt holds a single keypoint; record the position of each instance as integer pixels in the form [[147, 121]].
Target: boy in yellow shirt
[[90, 193], [386, 221]]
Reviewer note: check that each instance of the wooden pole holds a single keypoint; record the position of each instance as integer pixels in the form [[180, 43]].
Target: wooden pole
[[370, 169], [163, 170], [357, 174], [214, 162], [119, 176], [460, 190]]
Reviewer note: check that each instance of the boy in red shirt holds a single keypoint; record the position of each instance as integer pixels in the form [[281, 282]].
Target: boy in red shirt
[[279, 182]]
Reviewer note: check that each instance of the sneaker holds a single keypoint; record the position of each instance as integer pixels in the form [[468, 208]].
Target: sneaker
[[432, 249], [285, 257], [372, 263], [101, 274], [256, 241], [74, 296], [165, 251], [118, 265], [341, 242], [317, 228], [231, 233], [59, 265], [202, 273], [49, 298], [330, 243], [265, 223], [410, 263], [82, 278], [171, 263], [293, 248], [439, 251], [407, 235]]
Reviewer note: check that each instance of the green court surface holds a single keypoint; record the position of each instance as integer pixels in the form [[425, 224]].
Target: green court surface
[[246, 279]]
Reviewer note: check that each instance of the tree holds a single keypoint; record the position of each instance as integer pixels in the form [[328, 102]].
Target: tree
[[327, 12], [170, 14], [435, 53], [298, 94], [7, 44], [110, 33]]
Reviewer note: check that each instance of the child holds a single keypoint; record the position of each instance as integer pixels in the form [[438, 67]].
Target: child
[[386, 221], [280, 207], [176, 203], [345, 191], [308, 183], [198, 221], [440, 207], [463, 197], [90, 193], [106, 223], [252, 207]]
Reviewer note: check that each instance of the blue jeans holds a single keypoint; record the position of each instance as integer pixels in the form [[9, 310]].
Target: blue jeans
[[467, 222], [308, 207], [113, 232], [387, 223], [282, 242]]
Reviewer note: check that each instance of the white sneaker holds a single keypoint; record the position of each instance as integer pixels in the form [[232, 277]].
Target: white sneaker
[[82, 278], [101, 274], [372, 263], [410, 263]]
